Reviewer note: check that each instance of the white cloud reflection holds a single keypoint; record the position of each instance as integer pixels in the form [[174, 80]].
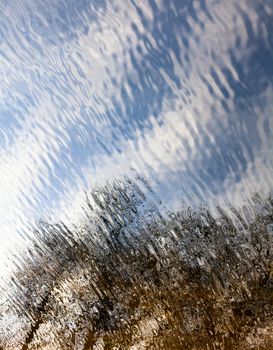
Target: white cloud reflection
[[38, 173]]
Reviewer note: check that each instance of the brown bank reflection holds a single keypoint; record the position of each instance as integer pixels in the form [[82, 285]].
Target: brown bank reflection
[[129, 277]]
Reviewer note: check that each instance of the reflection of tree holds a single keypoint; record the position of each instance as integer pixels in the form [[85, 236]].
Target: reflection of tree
[[132, 278]]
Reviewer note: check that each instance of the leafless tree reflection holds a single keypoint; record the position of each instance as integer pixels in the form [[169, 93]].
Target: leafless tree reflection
[[131, 278]]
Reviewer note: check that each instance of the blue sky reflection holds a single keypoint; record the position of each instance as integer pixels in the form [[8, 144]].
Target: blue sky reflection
[[179, 91]]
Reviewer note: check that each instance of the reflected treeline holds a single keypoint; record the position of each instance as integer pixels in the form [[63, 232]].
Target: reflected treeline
[[131, 277]]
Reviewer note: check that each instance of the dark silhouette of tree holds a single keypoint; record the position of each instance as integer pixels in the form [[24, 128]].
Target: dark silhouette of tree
[[134, 278]]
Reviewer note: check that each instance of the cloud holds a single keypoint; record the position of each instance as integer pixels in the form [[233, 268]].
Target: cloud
[[131, 88]]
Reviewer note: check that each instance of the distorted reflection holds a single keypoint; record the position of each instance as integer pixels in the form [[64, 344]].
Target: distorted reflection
[[136, 156]]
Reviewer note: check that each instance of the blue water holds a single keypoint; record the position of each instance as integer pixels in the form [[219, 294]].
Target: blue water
[[177, 91]]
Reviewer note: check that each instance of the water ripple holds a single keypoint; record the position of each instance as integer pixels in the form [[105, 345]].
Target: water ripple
[[178, 92]]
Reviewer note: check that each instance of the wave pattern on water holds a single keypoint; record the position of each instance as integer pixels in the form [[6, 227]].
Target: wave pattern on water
[[176, 92]]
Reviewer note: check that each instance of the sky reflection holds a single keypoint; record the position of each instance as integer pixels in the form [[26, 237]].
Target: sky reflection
[[178, 91]]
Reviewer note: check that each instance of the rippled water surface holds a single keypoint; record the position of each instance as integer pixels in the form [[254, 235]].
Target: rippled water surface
[[136, 156]]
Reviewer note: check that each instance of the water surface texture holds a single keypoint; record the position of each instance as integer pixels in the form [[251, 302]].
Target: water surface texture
[[115, 116]]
